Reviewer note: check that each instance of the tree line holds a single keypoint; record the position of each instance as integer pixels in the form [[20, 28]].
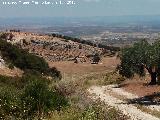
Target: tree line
[[111, 48]]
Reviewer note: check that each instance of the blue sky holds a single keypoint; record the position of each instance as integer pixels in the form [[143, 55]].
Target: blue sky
[[83, 8]]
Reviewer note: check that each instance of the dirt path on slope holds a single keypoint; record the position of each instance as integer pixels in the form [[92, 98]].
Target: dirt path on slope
[[105, 94]]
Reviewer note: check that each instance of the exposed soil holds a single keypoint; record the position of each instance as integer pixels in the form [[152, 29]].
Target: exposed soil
[[105, 93], [68, 67], [11, 72], [140, 87]]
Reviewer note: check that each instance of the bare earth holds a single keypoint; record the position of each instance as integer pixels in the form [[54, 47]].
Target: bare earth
[[107, 64], [140, 87], [8, 72], [108, 95]]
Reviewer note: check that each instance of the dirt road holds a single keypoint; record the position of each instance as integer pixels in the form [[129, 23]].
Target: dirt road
[[111, 96]]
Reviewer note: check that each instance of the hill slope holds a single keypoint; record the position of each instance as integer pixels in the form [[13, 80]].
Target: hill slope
[[53, 48]]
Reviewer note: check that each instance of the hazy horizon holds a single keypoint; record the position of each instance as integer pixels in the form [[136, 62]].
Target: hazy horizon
[[83, 8]]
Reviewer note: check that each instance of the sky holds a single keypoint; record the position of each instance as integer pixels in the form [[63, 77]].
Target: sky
[[81, 8]]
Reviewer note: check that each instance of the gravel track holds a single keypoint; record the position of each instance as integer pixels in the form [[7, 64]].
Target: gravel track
[[103, 93], [128, 95]]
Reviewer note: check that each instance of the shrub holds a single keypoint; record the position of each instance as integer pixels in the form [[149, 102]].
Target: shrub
[[26, 61], [4, 79], [26, 97], [53, 72], [38, 99], [10, 107], [95, 110], [113, 78], [11, 66], [21, 58], [98, 110], [96, 58], [10, 81]]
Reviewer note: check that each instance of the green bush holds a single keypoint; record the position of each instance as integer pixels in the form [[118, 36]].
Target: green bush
[[98, 110], [28, 97], [21, 58], [10, 81], [95, 110], [4, 79], [10, 107], [39, 99], [11, 66], [53, 72], [26, 61]]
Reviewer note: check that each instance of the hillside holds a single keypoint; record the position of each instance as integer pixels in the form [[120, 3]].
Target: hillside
[[53, 48], [73, 91], [40, 93]]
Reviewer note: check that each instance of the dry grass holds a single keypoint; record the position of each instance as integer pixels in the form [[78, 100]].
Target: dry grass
[[147, 110], [11, 72], [82, 107]]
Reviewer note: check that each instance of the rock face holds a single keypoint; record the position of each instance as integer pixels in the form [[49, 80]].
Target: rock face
[[55, 49]]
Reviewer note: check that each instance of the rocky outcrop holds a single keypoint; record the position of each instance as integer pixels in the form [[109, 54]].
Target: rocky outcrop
[[55, 49]]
